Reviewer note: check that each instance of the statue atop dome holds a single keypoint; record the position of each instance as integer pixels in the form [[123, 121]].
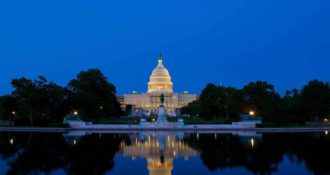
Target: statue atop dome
[[160, 61]]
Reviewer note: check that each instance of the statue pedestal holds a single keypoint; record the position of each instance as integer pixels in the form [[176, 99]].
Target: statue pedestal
[[162, 122], [161, 115]]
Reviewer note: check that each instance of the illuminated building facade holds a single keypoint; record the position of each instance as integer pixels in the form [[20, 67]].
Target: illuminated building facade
[[160, 83]]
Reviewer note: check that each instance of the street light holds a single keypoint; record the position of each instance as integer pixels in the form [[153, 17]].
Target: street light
[[11, 141], [75, 113], [12, 117], [252, 113], [252, 142]]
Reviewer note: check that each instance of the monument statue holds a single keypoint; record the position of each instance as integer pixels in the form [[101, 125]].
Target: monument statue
[[161, 110], [162, 99]]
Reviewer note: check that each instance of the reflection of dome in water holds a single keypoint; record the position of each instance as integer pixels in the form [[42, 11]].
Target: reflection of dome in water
[[159, 149], [160, 79], [155, 167]]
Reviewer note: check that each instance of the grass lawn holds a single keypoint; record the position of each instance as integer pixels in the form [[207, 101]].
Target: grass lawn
[[172, 119], [291, 125], [120, 120], [197, 120]]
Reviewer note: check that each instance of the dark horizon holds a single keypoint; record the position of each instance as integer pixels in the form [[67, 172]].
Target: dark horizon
[[221, 42]]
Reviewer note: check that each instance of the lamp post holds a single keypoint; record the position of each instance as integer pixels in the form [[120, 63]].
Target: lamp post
[[11, 141], [252, 142], [13, 113], [75, 113]]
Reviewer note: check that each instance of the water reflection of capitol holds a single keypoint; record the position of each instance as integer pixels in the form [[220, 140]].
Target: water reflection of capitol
[[160, 150]]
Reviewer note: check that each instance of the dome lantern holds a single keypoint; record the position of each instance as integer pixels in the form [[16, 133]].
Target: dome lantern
[[160, 61]]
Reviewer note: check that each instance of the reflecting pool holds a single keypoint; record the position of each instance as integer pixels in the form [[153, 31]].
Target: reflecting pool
[[164, 153]]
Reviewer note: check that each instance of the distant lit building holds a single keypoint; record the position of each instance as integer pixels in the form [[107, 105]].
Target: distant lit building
[[160, 83], [120, 100]]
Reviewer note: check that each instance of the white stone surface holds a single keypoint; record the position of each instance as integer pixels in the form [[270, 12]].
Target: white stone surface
[[168, 125]]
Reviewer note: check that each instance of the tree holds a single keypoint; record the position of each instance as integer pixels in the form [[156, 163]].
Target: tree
[[40, 99], [216, 101], [292, 113], [291, 101], [315, 100], [8, 108], [193, 108], [57, 102], [26, 93], [93, 96], [261, 97], [229, 101], [128, 109], [209, 100]]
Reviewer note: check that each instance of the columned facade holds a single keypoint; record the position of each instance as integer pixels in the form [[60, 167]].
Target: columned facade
[[159, 83]]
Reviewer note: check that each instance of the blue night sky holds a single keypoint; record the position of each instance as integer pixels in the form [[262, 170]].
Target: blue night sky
[[232, 42]]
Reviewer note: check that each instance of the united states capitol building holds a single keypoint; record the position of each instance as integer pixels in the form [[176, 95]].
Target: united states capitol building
[[148, 103]]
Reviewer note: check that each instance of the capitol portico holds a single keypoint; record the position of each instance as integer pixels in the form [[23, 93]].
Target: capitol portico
[[160, 83]]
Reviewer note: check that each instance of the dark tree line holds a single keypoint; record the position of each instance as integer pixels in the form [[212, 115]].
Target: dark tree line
[[310, 103], [40, 102]]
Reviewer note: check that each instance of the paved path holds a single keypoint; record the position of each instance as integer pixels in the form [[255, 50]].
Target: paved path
[[42, 129]]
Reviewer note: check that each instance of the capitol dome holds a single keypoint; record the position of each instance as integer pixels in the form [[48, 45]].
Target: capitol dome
[[160, 79]]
